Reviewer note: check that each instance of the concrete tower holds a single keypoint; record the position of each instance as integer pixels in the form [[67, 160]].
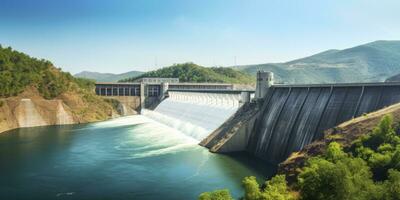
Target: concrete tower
[[264, 81]]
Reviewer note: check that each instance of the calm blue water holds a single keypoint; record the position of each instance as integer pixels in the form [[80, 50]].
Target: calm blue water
[[126, 158]]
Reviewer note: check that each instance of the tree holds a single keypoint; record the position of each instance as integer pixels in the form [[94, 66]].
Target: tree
[[18, 71], [380, 149], [393, 185], [216, 195], [334, 152], [275, 189], [251, 188], [337, 176]]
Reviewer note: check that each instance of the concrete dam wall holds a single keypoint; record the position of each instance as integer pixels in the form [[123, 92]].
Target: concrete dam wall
[[294, 116], [285, 118]]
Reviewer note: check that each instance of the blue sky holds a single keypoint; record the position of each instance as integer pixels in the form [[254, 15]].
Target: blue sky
[[118, 36]]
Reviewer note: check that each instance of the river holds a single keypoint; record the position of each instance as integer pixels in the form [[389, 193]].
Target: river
[[126, 158]]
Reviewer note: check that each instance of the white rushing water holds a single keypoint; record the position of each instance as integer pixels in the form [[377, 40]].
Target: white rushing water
[[195, 114], [147, 137]]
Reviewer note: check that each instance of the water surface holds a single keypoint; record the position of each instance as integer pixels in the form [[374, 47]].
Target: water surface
[[126, 158]]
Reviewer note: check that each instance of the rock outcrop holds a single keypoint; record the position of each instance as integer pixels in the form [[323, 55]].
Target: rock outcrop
[[29, 109]]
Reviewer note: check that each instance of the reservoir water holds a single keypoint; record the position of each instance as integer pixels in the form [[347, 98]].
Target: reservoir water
[[126, 158]]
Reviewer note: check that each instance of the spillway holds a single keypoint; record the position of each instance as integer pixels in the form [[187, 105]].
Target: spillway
[[193, 113], [294, 116]]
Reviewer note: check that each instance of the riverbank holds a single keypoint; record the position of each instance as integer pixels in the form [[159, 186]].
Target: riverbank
[[30, 109]]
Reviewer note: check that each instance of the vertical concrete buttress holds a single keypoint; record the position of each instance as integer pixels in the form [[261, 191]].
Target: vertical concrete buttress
[[142, 96], [164, 90]]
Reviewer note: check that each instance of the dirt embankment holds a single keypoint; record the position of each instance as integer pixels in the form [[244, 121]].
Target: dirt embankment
[[344, 134], [30, 109]]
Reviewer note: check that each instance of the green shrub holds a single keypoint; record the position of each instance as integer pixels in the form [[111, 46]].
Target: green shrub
[[216, 195], [380, 149], [251, 188], [346, 179], [392, 185], [276, 189], [334, 152]]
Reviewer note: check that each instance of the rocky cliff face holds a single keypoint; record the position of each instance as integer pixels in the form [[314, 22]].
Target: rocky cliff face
[[29, 109], [27, 115]]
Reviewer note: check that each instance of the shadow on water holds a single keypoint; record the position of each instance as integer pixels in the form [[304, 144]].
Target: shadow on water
[[266, 169], [262, 169]]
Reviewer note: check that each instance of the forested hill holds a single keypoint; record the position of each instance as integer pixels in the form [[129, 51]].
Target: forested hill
[[35, 93], [190, 72], [375, 61], [18, 71]]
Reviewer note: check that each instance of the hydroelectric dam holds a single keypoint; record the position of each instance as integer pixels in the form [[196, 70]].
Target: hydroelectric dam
[[277, 121]]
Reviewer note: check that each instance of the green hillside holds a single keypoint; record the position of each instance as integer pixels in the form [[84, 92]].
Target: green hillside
[[18, 71], [370, 62], [107, 77], [190, 72]]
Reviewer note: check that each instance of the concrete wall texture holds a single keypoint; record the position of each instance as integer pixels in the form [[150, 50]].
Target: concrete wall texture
[[294, 116]]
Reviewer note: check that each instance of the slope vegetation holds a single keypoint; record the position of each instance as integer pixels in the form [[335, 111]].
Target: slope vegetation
[[32, 87]]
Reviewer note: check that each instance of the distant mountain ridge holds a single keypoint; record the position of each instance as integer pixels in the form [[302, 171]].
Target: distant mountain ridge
[[370, 62], [107, 77]]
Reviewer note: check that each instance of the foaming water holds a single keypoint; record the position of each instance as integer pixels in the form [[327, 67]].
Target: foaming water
[[153, 139], [187, 128], [195, 114], [122, 121]]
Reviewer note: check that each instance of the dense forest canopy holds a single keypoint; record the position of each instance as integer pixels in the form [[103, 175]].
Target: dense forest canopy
[[190, 72], [18, 71]]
